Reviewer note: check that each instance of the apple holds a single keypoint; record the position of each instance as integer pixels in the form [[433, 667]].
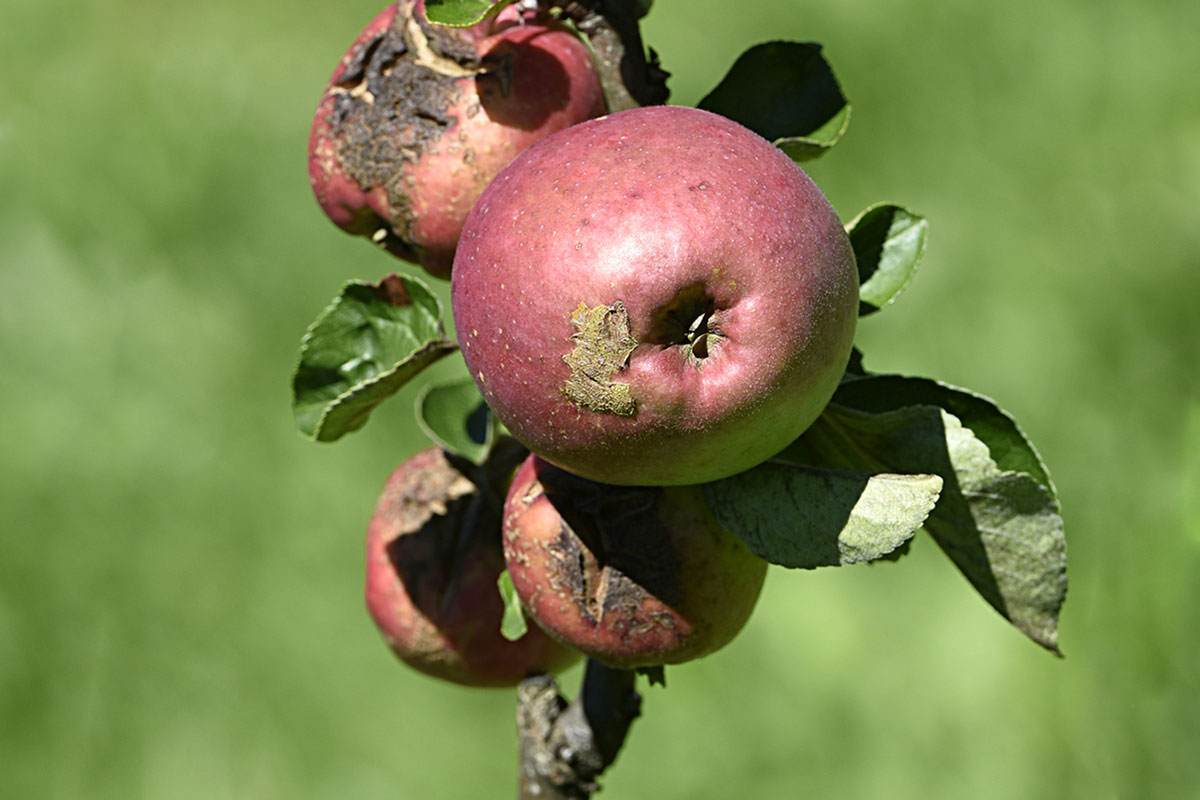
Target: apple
[[418, 118], [433, 558], [630, 576], [655, 297]]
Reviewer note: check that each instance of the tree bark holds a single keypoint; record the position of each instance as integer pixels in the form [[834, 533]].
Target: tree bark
[[565, 746]]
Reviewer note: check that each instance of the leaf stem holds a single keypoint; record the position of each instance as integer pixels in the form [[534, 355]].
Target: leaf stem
[[630, 75]]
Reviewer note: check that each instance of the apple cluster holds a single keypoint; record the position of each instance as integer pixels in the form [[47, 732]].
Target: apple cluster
[[647, 300]]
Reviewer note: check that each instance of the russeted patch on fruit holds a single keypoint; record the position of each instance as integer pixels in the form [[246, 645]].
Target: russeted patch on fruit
[[417, 118], [655, 297], [433, 558], [630, 576]]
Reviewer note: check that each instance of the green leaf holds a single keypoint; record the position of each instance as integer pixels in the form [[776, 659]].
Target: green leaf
[[513, 626], [455, 416], [888, 244], [1001, 528], [803, 517], [462, 13], [370, 341], [785, 92], [1008, 445]]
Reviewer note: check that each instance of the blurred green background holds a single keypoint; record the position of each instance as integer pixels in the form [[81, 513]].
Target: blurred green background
[[180, 611]]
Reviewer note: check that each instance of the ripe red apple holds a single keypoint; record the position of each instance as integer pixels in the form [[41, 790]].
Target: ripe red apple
[[631, 576], [418, 118], [657, 297], [433, 558]]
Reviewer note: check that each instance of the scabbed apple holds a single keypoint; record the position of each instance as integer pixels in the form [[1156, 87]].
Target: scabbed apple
[[417, 118], [433, 559], [630, 576], [657, 297]]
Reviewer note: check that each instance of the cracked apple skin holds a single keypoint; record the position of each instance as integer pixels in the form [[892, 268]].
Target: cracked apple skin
[[656, 297], [433, 558], [418, 118], [630, 576]]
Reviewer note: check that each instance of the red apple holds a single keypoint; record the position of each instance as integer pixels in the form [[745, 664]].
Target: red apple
[[630, 576], [418, 118], [659, 296], [433, 559]]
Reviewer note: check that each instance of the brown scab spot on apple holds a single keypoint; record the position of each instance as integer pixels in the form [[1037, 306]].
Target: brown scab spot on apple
[[394, 101], [611, 556], [603, 343]]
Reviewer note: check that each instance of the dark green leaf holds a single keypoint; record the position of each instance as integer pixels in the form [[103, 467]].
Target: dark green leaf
[[802, 517], [785, 92], [1007, 444], [454, 415], [854, 367], [462, 13], [513, 625], [655, 676], [1001, 528], [888, 244], [371, 340]]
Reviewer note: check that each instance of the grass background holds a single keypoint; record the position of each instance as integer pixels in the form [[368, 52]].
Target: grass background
[[180, 610]]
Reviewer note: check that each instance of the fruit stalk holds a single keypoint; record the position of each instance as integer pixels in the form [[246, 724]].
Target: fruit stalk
[[630, 75], [565, 746]]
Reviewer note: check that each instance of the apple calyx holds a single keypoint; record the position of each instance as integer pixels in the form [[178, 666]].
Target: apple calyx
[[690, 321]]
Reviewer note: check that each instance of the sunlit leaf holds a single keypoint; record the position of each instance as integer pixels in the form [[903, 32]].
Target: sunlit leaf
[[888, 244], [1007, 444], [364, 347], [785, 92], [804, 517], [455, 416], [462, 13], [513, 625], [1000, 527]]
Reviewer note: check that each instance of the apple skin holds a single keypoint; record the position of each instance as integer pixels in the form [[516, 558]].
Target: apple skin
[[433, 558], [656, 297], [630, 576], [418, 118]]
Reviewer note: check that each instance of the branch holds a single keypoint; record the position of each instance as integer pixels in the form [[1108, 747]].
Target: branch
[[565, 746], [631, 77]]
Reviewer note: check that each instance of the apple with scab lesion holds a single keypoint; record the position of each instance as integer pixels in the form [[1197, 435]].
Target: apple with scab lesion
[[418, 118], [630, 576], [433, 559], [656, 297]]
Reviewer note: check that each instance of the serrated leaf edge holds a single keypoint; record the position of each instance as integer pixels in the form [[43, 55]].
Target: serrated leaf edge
[[922, 220], [338, 299], [816, 147]]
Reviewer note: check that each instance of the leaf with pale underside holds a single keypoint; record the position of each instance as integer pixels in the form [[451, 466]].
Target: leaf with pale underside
[[888, 244], [462, 13], [804, 517], [454, 415], [1007, 444], [785, 92], [513, 625], [363, 348], [1000, 527]]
